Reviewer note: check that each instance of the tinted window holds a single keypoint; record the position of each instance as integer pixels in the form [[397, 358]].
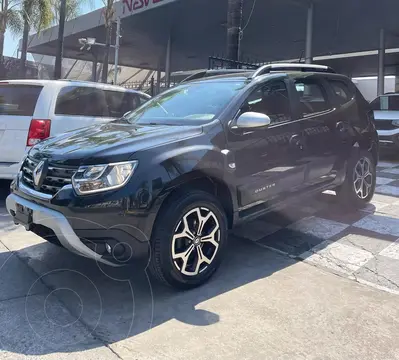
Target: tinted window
[[312, 97], [82, 101], [341, 90], [19, 99], [272, 100], [386, 102], [190, 103]]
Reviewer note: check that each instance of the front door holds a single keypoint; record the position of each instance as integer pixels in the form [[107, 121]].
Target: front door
[[267, 160]]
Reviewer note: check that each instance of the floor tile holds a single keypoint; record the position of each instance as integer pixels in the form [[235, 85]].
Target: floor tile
[[290, 242], [256, 230], [387, 164], [392, 251], [338, 257], [336, 213], [387, 190], [390, 210], [318, 227], [383, 174], [380, 223], [365, 240], [373, 206], [382, 271], [383, 181], [393, 171], [286, 216], [384, 198], [394, 183]]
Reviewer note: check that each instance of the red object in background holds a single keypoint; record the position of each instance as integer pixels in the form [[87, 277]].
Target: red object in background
[[38, 131]]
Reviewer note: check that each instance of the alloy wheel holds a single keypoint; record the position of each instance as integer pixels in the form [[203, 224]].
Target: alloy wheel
[[195, 241], [363, 178]]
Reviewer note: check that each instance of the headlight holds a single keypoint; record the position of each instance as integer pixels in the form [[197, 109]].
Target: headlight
[[96, 178], [395, 122]]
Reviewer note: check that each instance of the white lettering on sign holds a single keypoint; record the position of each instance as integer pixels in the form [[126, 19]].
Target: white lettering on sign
[[132, 6]]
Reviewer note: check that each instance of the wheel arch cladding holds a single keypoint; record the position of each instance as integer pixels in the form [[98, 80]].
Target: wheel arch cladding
[[203, 182]]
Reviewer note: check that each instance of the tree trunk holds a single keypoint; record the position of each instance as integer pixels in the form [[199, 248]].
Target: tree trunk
[[2, 35], [24, 50], [234, 18], [104, 77]]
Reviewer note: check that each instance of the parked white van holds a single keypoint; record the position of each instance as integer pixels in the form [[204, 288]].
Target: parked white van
[[33, 110]]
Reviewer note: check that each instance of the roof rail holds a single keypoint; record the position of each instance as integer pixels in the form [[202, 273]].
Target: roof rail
[[214, 72], [291, 67]]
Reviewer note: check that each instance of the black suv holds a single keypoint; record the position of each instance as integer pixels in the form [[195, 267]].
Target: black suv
[[169, 179]]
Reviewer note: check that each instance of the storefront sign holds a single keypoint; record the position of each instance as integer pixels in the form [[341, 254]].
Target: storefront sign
[[132, 6]]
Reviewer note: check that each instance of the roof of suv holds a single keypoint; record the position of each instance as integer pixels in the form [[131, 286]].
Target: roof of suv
[[72, 82]]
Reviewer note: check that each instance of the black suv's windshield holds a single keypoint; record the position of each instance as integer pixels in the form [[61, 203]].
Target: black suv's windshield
[[188, 104]]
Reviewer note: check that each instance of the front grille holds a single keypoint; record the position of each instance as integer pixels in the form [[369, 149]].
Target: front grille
[[56, 178]]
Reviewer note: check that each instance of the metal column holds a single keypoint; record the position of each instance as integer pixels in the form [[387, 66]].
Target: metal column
[[309, 34], [94, 69], [167, 62], [381, 64], [117, 45], [158, 87]]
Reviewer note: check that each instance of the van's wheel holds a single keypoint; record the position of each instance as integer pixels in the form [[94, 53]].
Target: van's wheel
[[359, 186], [189, 240]]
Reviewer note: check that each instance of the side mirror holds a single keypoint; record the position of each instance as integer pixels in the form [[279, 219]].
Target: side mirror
[[253, 120]]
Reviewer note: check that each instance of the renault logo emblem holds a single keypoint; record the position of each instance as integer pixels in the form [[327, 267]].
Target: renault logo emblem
[[39, 174]]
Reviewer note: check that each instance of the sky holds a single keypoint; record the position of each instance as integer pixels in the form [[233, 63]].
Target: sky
[[11, 42]]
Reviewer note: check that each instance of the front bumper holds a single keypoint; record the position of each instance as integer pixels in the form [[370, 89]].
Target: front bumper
[[388, 139], [57, 222], [81, 235]]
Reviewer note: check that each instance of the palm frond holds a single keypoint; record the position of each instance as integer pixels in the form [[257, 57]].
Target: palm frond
[[15, 22], [42, 14]]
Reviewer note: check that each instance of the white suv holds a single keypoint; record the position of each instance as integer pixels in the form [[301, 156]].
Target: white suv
[[33, 110]]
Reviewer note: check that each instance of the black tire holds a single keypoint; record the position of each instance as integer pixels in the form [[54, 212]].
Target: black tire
[[347, 194], [168, 226]]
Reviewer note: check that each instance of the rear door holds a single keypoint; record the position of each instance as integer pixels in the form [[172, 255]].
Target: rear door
[[318, 122], [17, 108]]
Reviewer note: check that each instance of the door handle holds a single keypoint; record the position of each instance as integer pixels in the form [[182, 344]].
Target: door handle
[[296, 141], [341, 127]]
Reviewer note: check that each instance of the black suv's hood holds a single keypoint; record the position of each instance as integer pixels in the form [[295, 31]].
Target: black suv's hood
[[107, 143]]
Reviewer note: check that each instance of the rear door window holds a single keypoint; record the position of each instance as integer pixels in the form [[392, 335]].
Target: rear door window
[[119, 103], [19, 100], [82, 101], [312, 97], [341, 90]]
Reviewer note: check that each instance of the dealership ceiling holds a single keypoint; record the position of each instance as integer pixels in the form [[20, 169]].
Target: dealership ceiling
[[275, 31]]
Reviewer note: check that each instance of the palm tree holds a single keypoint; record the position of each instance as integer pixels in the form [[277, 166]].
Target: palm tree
[[39, 13], [42, 13], [108, 17], [9, 19]]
